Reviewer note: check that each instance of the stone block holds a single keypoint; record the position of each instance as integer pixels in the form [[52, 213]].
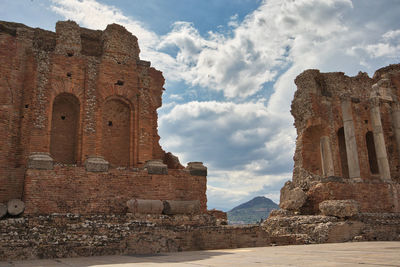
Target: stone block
[[96, 164], [40, 161], [156, 166], [173, 207], [145, 206], [197, 169], [339, 208], [292, 198]]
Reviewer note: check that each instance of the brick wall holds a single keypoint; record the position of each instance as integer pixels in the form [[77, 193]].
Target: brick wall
[[317, 110], [73, 94], [74, 190]]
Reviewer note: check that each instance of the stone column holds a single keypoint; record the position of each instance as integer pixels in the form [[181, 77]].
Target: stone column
[[350, 139], [396, 123], [379, 140], [326, 157]]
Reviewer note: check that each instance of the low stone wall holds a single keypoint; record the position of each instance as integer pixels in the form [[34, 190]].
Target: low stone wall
[[75, 190], [72, 235], [311, 229]]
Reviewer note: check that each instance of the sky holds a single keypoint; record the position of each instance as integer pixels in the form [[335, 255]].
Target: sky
[[229, 67]]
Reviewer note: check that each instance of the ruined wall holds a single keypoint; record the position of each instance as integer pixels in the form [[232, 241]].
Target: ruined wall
[[55, 236], [75, 190], [79, 98], [347, 141]]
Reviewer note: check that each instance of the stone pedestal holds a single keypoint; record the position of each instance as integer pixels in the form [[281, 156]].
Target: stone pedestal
[[197, 169], [326, 157], [96, 164], [156, 166], [379, 140], [350, 139], [40, 161]]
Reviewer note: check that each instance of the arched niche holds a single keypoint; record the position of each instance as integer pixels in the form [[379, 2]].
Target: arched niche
[[116, 131], [372, 159], [64, 129], [311, 149], [343, 153]]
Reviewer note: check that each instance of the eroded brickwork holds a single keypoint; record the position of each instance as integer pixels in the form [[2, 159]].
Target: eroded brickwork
[[348, 141], [88, 103]]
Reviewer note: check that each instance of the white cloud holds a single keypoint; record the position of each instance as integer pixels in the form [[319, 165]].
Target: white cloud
[[247, 143]]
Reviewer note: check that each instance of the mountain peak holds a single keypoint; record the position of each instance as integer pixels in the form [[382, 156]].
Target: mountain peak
[[251, 211]]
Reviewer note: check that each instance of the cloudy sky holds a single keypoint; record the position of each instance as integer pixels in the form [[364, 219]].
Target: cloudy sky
[[229, 67]]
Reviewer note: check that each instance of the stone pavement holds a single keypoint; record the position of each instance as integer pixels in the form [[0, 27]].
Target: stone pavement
[[340, 254]]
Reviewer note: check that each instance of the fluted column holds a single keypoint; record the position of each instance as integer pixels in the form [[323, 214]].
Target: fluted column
[[326, 157], [350, 138], [379, 140]]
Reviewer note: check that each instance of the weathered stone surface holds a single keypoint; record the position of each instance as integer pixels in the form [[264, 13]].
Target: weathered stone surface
[[355, 120], [72, 235], [222, 217], [15, 207], [156, 166], [292, 198], [197, 169], [3, 210], [339, 208], [96, 164], [145, 206], [308, 229], [172, 207], [40, 161], [172, 161]]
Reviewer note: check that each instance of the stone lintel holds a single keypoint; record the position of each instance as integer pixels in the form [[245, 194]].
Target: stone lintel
[[96, 164], [197, 169], [40, 161], [156, 166]]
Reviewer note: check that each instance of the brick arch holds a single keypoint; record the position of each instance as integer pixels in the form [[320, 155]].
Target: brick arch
[[116, 131], [64, 128]]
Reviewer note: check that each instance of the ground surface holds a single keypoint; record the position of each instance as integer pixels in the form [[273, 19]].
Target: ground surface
[[343, 254]]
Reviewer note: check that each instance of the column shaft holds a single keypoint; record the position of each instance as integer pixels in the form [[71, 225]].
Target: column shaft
[[326, 157], [350, 139], [379, 140]]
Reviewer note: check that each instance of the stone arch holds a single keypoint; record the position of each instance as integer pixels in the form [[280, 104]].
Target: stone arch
[[343, 153], [64, 128], [311, 149], [372, 158], [116, 129]]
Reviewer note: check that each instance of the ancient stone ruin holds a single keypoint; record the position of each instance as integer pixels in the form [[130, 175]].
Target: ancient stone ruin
[[347, 160], [78, 123], [82, 172]]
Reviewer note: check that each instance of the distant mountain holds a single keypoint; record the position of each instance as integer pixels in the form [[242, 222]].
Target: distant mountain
[[252, 211]]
